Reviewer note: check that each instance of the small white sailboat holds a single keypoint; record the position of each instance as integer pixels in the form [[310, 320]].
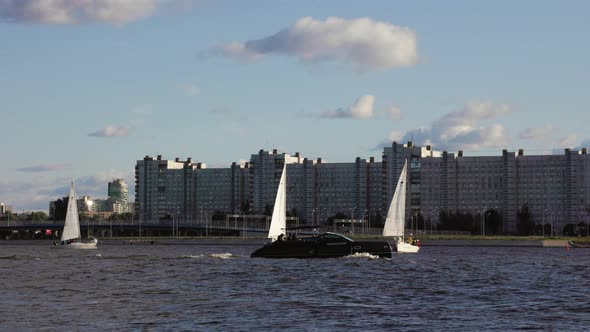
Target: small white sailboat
[[70, 236], [278, 222], [396, 215]]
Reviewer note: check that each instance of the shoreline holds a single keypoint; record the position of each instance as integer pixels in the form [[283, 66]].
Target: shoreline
[[531, 243]]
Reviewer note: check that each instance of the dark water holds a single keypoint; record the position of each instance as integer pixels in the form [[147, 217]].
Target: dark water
[[219, 288]]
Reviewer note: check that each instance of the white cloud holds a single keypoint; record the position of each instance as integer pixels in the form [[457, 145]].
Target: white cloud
[[76, 11], [585, 144], [568, 142], [34, 194], [365, 43], [394, 112], [361, 109], [395, 135], [536, 133], [44, 168], [191, 90], [220, 110], [463, 129], [111, 131], [144, 109]]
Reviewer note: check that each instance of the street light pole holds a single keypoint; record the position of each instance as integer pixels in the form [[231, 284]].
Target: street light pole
[[366, 227], [543, 221], [414, 223], [352, 218]]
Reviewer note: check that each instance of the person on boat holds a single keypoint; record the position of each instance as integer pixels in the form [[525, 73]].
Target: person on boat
[[411, 238], [281, 237]]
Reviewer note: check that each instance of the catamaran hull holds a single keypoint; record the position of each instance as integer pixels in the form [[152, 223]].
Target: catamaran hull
[[317, 248]]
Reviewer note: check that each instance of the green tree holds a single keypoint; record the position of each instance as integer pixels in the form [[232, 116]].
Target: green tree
[[493, 222], [525, 225]]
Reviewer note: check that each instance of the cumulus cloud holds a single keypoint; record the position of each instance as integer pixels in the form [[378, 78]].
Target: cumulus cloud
[[366, 44], [220, 110], [463, 129], [394, 112], [536, 133], [144, 109], [568, 142], [75, 11], [585, 144], [43, 168], [361, 109], [111, 131], [34, 194], [191, 90]]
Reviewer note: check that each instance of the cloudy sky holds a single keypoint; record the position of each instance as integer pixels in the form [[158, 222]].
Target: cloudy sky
[[87, 87]]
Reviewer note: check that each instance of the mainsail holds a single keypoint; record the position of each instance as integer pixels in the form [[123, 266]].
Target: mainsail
[[278, 222], [72, 224], [396, 215]]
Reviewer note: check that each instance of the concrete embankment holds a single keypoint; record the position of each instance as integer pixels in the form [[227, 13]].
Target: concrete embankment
[[495, 243], [154, 241], [261, 241]]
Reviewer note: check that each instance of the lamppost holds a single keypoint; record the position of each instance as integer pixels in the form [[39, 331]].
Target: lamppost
[[140, 219], [352, 218], [551, 218], [432, 214], [478, 218], [206, 223], [485, 221], [414, 224], [543, 228], [313, 215], [368, 213]]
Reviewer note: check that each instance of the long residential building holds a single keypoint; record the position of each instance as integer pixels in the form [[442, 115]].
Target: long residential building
[[555, 188]]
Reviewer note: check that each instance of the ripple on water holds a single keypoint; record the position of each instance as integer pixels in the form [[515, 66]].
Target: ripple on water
[[221, 288]]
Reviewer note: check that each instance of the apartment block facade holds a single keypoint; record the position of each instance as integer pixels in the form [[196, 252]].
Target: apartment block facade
[[554, 187], [164, 189]]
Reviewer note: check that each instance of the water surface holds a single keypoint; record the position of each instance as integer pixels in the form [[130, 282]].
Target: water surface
[[219, 288]]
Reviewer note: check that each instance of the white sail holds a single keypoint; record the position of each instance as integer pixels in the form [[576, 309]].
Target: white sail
[[278, 222], [72, 224], [396, 215]]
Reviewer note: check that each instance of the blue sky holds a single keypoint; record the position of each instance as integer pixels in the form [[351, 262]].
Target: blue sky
[[88, 87]]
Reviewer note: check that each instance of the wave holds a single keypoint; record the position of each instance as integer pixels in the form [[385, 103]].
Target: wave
[[191, 256], [362, 255], [222, 256], [214, 255]]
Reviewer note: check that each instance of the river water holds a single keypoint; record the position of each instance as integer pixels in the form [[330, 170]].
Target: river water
[[219, 288]]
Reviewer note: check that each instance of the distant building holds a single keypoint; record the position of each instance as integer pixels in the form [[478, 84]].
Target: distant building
[[2, 208], [118, 196], [59, 207], [117, 202], [164, 189], [555, 188]]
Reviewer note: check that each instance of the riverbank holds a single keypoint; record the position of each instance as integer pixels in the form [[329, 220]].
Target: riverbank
[[426, 242]]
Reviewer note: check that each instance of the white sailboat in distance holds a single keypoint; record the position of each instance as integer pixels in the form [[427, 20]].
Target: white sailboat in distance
[[396, 215], [278, 222], [70, 236]]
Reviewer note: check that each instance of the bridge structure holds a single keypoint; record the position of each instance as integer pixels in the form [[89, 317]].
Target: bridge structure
[[237, 225]]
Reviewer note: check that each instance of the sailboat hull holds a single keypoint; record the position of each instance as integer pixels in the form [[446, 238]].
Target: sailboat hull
[[79, 245], [406, 247]]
